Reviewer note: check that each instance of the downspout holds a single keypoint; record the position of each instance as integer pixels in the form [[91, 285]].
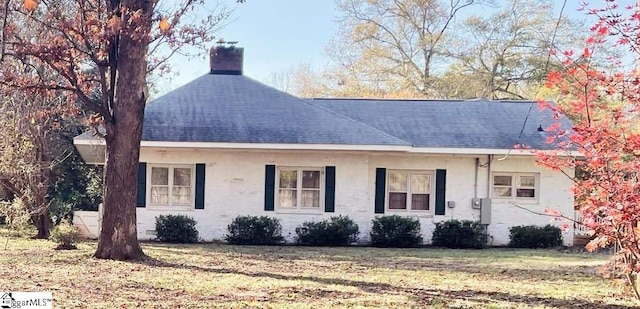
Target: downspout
[[489, 158], [486, 227], [475, 178]]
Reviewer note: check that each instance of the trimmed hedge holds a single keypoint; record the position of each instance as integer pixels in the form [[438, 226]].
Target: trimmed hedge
[[459, 234], [254, 230], [176, 229], [395, 231], [335, 231], [532, 236]]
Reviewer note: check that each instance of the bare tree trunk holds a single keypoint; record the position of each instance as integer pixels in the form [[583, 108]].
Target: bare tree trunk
[[118, 237], [43, 224]]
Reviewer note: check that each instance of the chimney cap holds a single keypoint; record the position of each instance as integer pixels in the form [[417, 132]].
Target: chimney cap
[[222, 42]]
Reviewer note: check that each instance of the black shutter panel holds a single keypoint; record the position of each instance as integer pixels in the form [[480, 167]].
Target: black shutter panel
[[441, 186], [200, 174], [330, 189], [141, 198], [269, 187], [381, 180]]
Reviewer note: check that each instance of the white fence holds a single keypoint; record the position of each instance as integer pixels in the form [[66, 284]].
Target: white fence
[[88, 222]]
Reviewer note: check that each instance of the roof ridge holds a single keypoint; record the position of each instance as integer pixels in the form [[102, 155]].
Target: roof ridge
[[424, 100], [356, 121], [305, 101], [381, 99]]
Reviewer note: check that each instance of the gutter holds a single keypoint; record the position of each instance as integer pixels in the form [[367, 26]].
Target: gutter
[[337, 147]]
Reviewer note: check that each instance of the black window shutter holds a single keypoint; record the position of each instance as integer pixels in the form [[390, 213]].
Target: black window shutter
[[269, 187], [141, 198], [381, 187], [200, 175], [441, 187], [330, 188]]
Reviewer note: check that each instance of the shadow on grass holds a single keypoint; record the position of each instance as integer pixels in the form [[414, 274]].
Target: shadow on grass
[[428, 259], [350, 252], [423, 296]]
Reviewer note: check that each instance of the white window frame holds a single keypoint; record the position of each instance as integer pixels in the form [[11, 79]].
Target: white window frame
[[408, 210], [298, 207], [170, 204], [515, 185]]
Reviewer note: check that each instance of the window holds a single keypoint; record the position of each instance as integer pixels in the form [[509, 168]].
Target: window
[[409, 190], [515, 185], [171, 185], [300, 188]]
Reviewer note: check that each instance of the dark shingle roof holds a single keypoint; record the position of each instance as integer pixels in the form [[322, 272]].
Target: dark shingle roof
[[237, 109], [452, 124]]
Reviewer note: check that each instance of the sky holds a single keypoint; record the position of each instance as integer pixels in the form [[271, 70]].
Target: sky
[[275, 35], [279, 34]]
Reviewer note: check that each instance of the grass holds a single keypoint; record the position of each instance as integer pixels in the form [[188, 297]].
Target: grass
[[210, 275]]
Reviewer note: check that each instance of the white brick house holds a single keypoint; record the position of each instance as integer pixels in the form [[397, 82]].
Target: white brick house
[[225, 145]]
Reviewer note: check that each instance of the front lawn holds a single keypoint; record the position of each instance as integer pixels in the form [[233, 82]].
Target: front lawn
[[209, 275]]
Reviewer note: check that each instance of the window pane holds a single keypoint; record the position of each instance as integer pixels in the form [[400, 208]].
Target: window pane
[[420, 183], [502, 180], [159, 195], [397, 200], [288, 179], [181, 195], [501, 192], [527, 181], [420, 201], [181, 176], [526, 193], [310, 198], [160, 176], [398, 182], [311, 179], [288, 198]]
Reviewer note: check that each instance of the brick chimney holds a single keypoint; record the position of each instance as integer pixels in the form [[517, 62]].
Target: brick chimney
[[226, 60]]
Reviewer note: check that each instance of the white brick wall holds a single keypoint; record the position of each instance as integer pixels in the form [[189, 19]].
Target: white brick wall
[[235, 186]]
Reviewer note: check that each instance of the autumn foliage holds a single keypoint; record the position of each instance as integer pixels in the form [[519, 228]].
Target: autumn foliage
[[96, 57], [599, 90]]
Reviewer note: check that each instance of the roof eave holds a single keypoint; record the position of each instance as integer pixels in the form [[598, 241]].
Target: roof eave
[[335, 147], [492, 151]]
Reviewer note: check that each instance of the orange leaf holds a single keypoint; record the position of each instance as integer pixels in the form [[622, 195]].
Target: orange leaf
[[114, 23], [30, 5], [164, 24]]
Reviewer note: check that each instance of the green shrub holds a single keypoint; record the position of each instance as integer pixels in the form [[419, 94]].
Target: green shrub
[[253, 230], [532, 236], [335, 231], [395, 231], [459, 234], [176, 229], [66, 235]]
